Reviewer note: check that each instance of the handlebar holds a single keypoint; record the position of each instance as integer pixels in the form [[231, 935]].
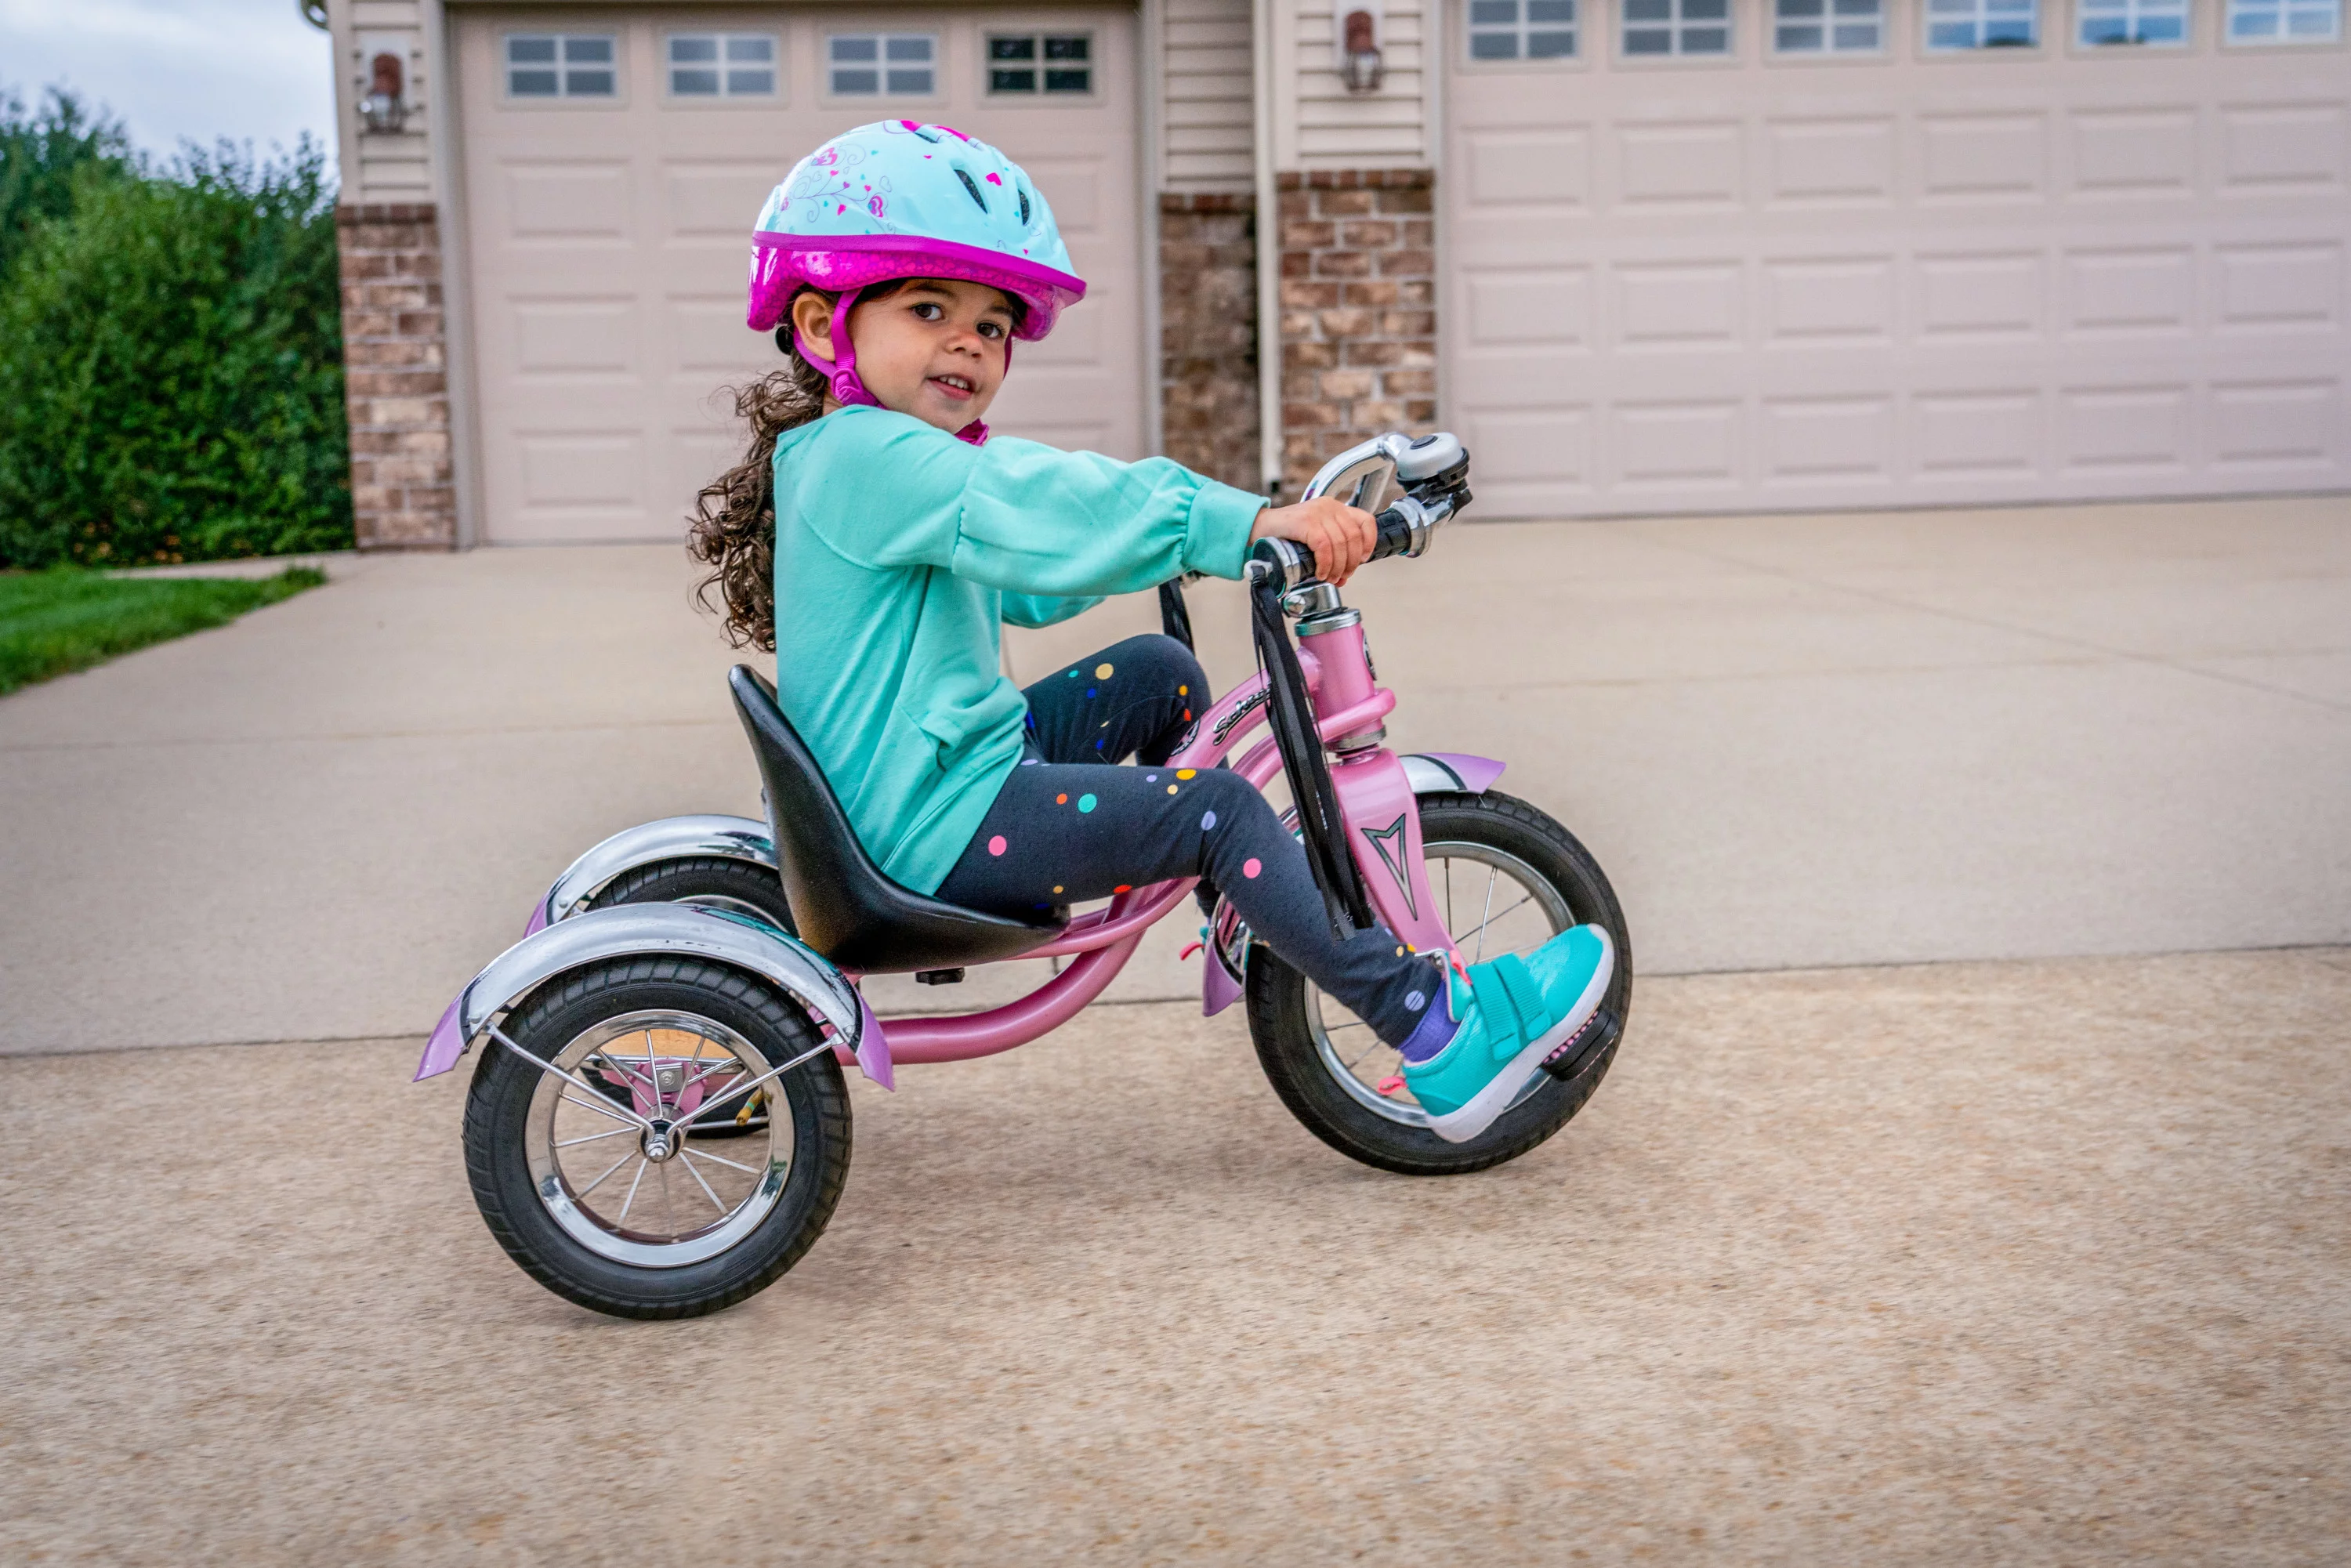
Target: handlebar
[[1434, 472]]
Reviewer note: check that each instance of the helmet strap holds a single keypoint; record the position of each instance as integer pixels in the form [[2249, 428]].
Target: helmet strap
[[842, 372]]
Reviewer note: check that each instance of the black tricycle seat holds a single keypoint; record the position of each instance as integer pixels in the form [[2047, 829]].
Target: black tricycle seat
[[846, 909]]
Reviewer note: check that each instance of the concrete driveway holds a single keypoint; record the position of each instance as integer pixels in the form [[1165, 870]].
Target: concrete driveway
[[2021, 1250]]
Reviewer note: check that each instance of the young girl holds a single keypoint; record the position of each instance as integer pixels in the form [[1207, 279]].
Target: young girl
[[877, 541]]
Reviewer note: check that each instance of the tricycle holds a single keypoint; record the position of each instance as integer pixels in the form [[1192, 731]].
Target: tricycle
[[660, 1125]]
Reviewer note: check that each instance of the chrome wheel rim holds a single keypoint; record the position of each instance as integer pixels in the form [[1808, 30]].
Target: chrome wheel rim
[[647, 1200], [1493, 903]]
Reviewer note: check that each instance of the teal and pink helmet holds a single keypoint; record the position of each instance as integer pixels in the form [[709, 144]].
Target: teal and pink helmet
[[896, 199]]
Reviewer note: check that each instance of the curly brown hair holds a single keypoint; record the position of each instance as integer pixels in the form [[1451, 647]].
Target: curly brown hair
[[733, 530]]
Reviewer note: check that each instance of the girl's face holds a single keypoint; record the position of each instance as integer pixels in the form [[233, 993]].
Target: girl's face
[[934, 349]]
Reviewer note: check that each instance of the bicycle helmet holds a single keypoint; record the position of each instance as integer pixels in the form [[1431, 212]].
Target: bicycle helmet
[[897, 199]]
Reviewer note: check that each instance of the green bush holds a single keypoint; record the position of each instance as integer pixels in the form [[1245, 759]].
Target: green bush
[[170, 368], [40, 155]]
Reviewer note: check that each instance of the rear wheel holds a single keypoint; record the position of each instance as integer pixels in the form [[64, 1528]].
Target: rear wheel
[[1507, 878], [614, 1203], [714, 881]]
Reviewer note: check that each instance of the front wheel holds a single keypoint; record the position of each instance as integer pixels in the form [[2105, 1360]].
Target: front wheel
[[1508, 879], [614, 1201]]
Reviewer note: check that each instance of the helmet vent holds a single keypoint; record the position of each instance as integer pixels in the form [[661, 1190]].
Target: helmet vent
[[972, 186], [1024, 206]]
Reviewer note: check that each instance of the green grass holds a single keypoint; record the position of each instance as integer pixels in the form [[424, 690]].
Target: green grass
[[55, 621]]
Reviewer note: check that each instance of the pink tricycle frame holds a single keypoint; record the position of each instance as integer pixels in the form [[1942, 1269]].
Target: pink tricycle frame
[[1377, 804]]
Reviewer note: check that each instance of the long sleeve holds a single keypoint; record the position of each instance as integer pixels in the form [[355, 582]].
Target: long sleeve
[[1014, 514], [1033, 610]]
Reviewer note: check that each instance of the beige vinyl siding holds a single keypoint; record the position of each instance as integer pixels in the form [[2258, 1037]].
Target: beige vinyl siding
[[1207, 94], [383, 168], [1336, 129]]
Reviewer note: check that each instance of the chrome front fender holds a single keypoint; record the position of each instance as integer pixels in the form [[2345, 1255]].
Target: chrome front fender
[[671, 837], [683, 930], [1449, 772]]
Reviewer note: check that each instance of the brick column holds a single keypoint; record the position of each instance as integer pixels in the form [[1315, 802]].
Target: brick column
[[1358, 312], [395, 376], [1208, 351]]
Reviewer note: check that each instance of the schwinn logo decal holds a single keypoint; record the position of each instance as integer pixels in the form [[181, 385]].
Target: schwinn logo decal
[[1388, 844], [1248, 704]]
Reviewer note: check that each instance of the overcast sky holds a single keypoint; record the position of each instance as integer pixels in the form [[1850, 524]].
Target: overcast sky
[[251, 70]]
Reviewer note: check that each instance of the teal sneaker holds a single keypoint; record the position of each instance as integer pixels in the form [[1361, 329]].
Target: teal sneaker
[[1513, 1012]]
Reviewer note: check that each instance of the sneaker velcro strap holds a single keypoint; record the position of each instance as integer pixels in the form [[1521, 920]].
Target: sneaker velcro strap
[[1496, 1007], [1526, 996]]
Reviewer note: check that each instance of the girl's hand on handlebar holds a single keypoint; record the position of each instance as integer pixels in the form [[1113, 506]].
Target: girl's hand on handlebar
[[1342, 536]]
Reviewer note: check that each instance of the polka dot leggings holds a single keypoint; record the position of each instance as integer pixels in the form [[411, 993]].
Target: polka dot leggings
[[1068, 827]]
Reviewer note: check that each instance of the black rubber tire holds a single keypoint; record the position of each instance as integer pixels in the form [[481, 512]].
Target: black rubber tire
[[703, 876], [813, 1094], [1285, 1047]]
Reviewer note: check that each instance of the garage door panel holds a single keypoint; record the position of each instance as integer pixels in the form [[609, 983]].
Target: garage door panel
[[1505, 308], [1813, 300], [2138, 291], [1843, 163], [2289, 287], [570, 201], [2132, 428], [2286, 424], [2279, 148], [1958, 436], [571, 341], [1982, 157], [1814, 440], [607, 244], [2135, 154], [1676, 305], [710, 201], [1680, 167], [1981, 296]]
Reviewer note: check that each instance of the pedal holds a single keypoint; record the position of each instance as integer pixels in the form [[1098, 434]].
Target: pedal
[[1583, 1047], [938, 977]]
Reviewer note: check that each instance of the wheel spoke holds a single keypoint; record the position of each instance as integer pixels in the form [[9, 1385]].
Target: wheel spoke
[[706, 1190], [1370, 1052], [1480, 931], [633, 1183], [616, 1164], [652, 1075], [1491, 874], [602, 1109], [575, 1143], [700, 1154]]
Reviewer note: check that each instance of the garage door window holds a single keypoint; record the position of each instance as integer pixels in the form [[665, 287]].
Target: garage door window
[[882, 65], [1676, 26], [1040, 63], [1954, 25], [562, 65], [2284, 21], [1828, 26], [1521, 29], [722, 64]]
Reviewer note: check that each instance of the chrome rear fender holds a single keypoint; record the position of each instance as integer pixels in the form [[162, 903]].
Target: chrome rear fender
[[671, 837], [672, 930]]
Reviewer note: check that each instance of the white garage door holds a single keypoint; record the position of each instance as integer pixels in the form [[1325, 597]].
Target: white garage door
[[614, 161], [1703, 262]]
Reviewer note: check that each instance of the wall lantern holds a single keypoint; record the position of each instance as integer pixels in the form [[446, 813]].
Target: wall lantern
[[1360, 66], [384, 109]]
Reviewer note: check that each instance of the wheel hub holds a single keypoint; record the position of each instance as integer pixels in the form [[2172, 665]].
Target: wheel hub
[[663, 1140]]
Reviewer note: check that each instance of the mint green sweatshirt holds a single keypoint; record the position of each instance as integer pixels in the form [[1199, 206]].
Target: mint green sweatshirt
[[899, 553]]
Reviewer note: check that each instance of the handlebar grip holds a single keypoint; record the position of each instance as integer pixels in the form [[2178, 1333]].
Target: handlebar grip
[[1395, 533]]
